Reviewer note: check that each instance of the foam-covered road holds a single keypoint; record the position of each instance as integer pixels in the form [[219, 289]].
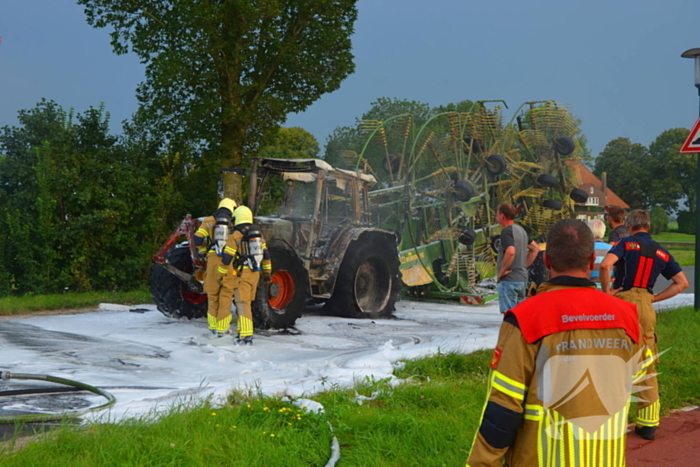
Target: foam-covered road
[[147, 360]]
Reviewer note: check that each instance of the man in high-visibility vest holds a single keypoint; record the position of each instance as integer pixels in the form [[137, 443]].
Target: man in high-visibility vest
[[210, 238], [563, 368], [638, 261]]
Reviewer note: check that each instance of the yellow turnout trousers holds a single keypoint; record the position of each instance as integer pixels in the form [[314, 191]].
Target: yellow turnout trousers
[[649, 404], [220, 295], [244, 296]]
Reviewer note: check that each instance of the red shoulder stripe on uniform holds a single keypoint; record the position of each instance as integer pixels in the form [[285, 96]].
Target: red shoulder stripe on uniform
[[575, 308], [663, 255]]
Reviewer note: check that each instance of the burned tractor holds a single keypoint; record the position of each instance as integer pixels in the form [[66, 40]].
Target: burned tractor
[[317, 224]]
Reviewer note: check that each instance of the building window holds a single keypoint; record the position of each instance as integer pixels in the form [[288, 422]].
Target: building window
[[592, 201]]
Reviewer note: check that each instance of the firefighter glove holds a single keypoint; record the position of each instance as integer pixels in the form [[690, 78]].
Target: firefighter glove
[[267, 276]]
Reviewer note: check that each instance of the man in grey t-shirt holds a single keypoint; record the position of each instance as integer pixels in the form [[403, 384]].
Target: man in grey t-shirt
[[516, 252]]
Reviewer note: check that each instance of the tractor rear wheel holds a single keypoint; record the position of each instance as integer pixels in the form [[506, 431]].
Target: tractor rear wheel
[[279, 303], [369, 281], [173, 297]]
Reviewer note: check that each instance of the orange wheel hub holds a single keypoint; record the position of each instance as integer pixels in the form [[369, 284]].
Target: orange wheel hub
[[281, 290]]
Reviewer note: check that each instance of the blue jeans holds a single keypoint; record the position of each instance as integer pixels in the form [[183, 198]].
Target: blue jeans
[[510, 294]]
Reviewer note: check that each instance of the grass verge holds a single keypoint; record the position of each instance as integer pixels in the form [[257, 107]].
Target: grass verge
[[674, 237], [261, 432], [684, 257], [679, 379], [70, 301], [427, 420]]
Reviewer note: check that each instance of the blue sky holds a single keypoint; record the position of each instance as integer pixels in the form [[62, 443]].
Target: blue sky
[[616, 63]]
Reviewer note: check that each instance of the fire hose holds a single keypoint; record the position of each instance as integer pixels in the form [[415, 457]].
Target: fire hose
[[307, 404], [315, 407], [74, 385]]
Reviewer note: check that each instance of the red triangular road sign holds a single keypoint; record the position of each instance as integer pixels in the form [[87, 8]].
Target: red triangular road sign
[[692, 144]]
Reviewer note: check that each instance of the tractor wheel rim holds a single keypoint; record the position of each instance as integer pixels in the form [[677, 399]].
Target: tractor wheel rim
[[372, 285], [284, 286], [194, 298]]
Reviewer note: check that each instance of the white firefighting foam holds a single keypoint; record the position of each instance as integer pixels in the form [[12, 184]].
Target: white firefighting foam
[[149, 361]]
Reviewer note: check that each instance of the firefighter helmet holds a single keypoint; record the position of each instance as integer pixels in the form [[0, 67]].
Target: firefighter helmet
[[243, 215], [228, 203]]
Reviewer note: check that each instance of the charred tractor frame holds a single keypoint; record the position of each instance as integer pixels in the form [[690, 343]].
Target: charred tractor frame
[[316, 221]]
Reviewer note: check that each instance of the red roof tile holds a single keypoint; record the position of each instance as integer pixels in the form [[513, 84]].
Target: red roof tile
[[586, 177]]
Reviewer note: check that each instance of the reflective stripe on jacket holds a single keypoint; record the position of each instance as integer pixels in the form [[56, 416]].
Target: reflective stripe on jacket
[[561, 380]]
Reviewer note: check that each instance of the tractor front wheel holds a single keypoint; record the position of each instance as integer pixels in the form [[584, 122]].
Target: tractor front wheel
[[173, 297], [280, 302]]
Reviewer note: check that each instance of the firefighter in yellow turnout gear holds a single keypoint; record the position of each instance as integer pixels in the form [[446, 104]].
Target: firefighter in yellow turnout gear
[[219, 282], [246, 253], [563, 369]]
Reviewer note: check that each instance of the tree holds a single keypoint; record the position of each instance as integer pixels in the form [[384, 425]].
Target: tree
[[686, 222], [19, 192], [659, 220], [674, 175], [626, 164], [79, 210], [291, 143], [227, 72], [587, 158]]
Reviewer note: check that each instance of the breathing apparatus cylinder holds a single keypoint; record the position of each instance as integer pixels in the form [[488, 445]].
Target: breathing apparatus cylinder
[[253, 239], [252, 254], [222, 230]]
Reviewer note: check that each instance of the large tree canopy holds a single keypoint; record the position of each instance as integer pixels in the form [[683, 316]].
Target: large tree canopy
[[627, 166], [78, 209], [653, 176], [226, 72], [674, 175], [291, 143]]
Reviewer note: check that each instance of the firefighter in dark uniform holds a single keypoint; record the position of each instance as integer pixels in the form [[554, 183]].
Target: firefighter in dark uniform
[[563, 369], [246, 253], [211, 238], [638, 261]]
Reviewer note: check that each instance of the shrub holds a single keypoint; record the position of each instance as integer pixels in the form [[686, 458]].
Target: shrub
[[686, 222], [659, 220]]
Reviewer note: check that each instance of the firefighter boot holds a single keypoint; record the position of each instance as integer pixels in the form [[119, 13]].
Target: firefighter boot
[[646, 432], [247, 340]]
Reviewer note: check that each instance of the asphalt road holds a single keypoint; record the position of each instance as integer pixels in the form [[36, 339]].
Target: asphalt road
[[662, 283], [676, 442]]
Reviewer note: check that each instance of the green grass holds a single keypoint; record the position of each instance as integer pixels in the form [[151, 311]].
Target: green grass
[[427, 420], [70, 301], [674, 237], [684, 257], [261, 432], [678, 332]]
